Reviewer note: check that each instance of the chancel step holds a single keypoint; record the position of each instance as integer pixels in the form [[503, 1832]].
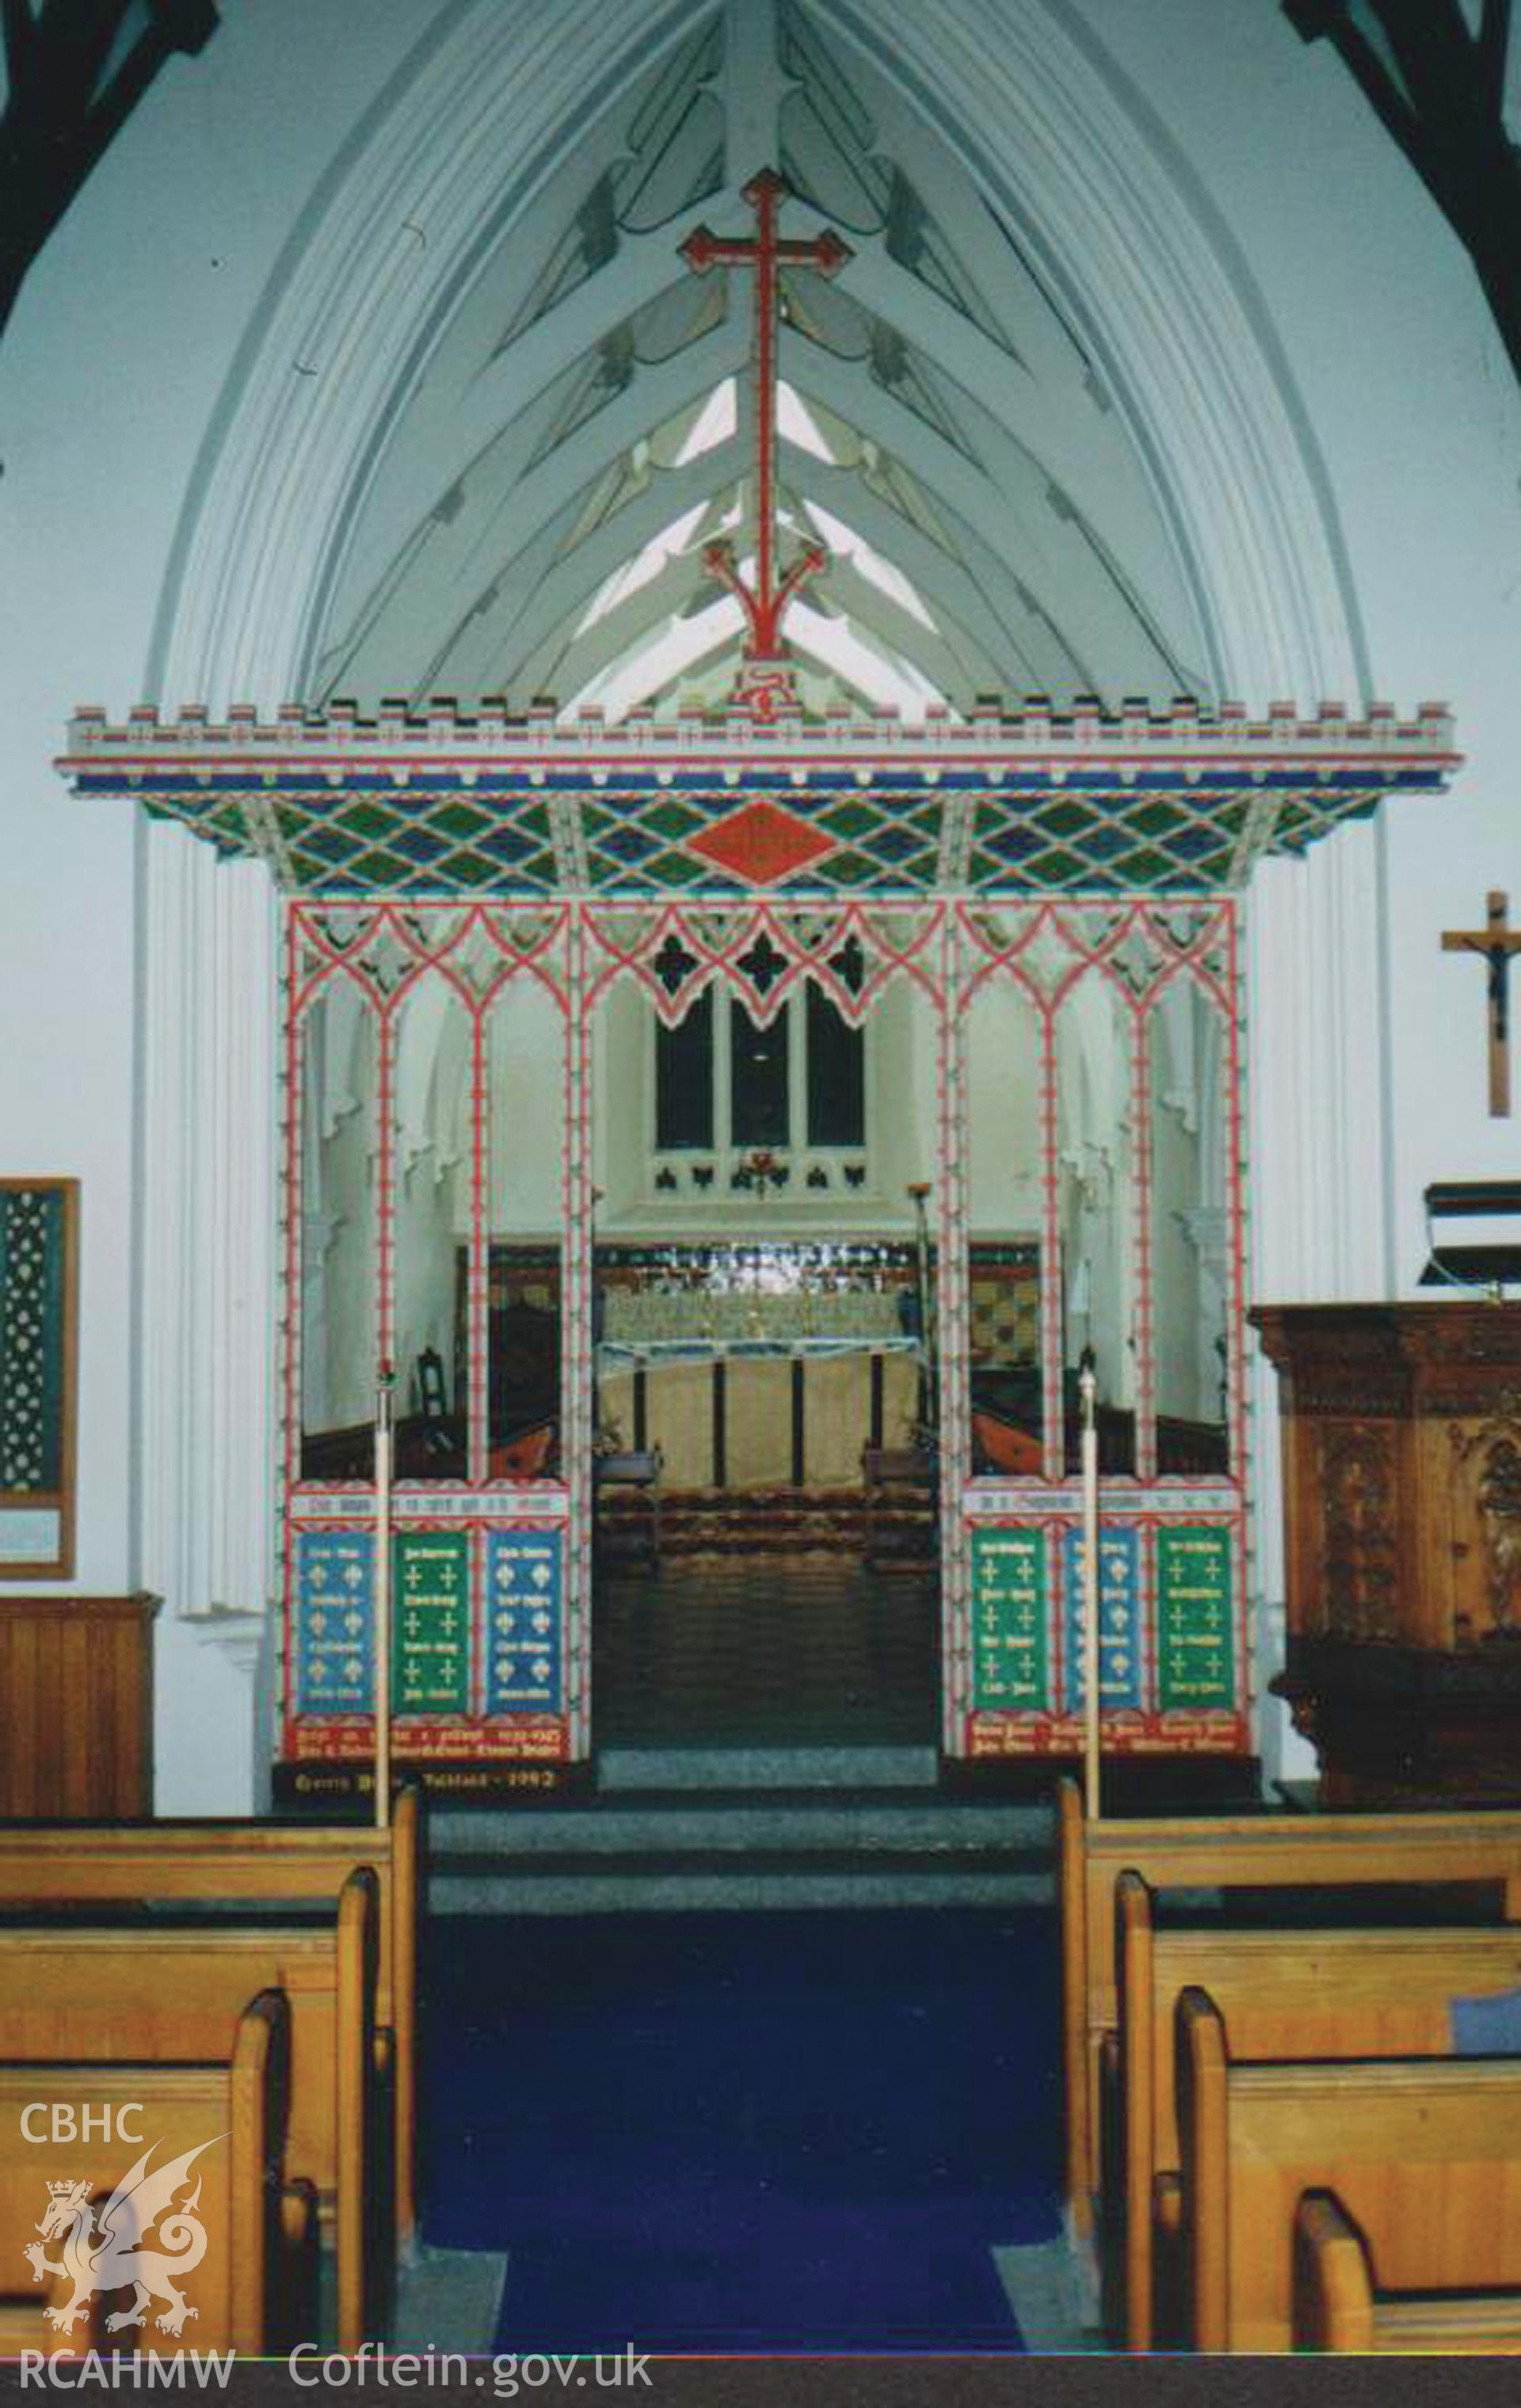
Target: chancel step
[[710, 1768], [705, 1525], [740, 1824], [740, 1849]]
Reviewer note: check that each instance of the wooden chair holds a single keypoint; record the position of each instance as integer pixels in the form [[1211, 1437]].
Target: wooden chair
[[157, 1994], [527, 1456], [1003, 1447], [1285, 1994], [275, 1864], [1426, 2154], [894, 1477], [231, 2115], [633, 1474], [1221, 1852]]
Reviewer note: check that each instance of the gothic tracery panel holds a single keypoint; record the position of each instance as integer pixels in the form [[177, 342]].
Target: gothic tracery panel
[[1117, 1140]]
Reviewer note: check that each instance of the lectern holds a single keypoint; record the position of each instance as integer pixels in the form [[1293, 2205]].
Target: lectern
[[1403, 1510]]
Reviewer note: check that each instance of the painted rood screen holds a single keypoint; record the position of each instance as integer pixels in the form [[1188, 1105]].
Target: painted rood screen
[[487, 1187], [617, 1057]]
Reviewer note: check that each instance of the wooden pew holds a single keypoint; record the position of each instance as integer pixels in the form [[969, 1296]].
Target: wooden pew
[[230, 2115], [1337, 2305], [53, 1864], [1251, 1851], [1284, 1995], [155, 1994], [1426, 2154]]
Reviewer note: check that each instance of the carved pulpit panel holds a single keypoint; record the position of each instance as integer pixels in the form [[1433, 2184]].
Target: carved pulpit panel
[[1359, 1534], [1403, 1510], [1486, 1509]]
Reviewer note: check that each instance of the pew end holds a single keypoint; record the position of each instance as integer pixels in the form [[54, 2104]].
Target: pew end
[[1337, 2306], [1129, 2119], [1410, 1852], [1291, 1994], [1422, 2154], [408, 1840], [300, 2232], [1169, 2286], [156, 1992], [1333, 2288], [270, 1863], [1203, 2061], [227, 2242]]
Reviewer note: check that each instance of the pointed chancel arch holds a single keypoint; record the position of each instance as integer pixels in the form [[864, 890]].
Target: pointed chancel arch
[[1045, 397]]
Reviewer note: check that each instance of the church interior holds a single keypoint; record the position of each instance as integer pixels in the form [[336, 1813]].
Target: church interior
[[760, 1442]]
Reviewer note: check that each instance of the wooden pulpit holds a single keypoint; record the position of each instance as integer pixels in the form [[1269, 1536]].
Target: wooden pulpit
[[1402, 1540]]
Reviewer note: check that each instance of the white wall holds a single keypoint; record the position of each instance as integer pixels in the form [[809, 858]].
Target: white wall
[[902, 1038], [525, 1076], [1003, 1110], [623, 1108], [110, 372], [1417, 416]]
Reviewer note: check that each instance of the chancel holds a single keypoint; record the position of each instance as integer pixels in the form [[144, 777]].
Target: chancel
[[744, 749]]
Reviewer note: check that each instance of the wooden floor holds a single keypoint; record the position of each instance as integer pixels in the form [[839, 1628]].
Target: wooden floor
[[765, 1650]]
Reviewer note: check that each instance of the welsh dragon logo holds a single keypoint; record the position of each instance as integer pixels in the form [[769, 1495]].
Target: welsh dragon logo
[[108, 2256]]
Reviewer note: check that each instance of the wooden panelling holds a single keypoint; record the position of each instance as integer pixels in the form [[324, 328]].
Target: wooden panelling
[[76, 1706]]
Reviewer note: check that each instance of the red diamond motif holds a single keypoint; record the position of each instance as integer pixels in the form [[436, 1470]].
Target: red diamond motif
[[761, 844]]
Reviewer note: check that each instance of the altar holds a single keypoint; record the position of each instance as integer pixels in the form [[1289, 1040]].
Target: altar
[[761, 1367]]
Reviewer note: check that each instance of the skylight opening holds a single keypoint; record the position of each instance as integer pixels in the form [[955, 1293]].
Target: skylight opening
[[644, 568], [796, 423], [870, 565], [714, 424], [663, 657], [883, 677]]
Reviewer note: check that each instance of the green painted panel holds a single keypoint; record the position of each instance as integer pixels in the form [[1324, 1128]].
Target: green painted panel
[[1009, 1620], [1195, 1647], [431, 1623]]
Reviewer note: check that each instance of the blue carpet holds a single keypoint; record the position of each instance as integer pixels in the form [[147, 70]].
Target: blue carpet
[[726, 2133]]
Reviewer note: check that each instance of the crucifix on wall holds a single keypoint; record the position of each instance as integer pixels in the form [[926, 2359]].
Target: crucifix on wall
[[1496, 942], [766, 684]]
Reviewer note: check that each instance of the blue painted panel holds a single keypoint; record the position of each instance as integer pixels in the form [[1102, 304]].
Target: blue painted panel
[[524, 1587], [1119, 1618], [334, 1633]]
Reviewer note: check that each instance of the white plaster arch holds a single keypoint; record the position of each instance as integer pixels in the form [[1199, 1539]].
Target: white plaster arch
[[455, 150]]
